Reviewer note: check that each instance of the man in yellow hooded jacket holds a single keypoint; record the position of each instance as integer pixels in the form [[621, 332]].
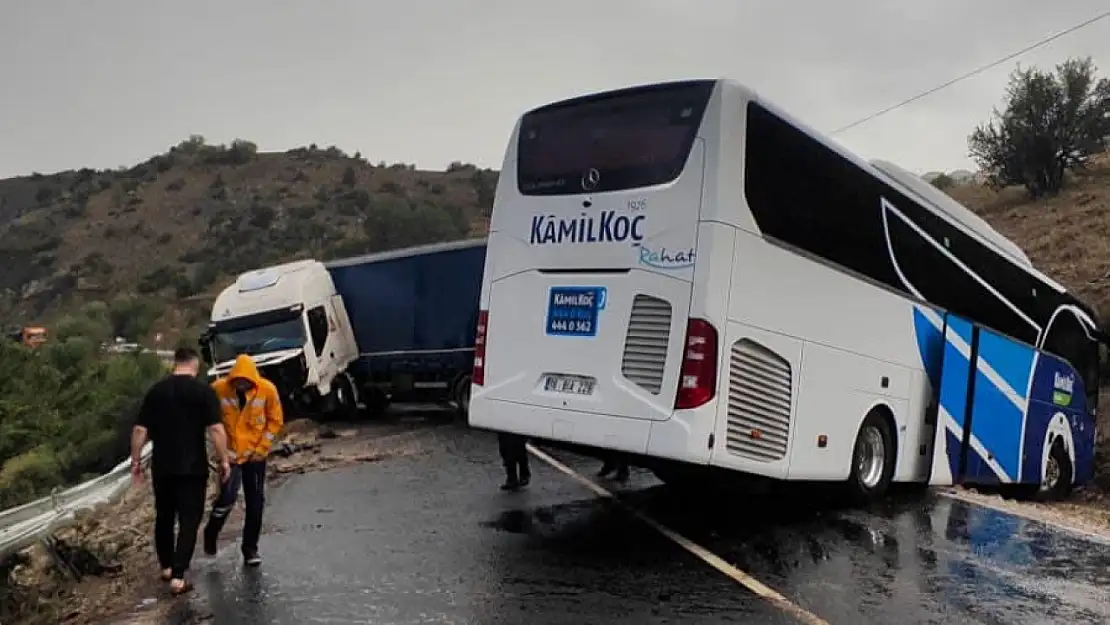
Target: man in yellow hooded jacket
[[250, 409]]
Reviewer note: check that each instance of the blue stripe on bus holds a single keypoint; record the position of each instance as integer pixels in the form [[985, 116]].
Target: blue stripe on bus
[[1012, 361], [1008, 431], [953, 386], [962, 329], [997, 423], [929, 346]]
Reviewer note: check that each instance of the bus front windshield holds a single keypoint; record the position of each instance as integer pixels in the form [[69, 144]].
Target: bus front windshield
[[261, 339]]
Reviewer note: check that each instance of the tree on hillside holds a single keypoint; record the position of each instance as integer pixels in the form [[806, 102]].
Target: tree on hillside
[[942, 181], [1051, 123], [132, 317], [398, 223]]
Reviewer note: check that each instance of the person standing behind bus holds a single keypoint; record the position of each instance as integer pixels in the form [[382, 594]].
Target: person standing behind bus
[[514, 455], [615, 462], [253, 417]]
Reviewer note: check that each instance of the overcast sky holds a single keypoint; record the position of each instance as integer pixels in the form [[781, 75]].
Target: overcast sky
[[111, 82]]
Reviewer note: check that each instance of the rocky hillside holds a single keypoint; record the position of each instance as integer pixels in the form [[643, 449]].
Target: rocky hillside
[[175, 228]]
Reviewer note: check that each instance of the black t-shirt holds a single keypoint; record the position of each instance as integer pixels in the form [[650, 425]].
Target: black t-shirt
[[177, 412]]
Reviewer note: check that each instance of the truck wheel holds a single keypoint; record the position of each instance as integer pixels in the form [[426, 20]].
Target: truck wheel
[[346, 403], [377, 402], [461, 397], [872, 460], [1056, 482]]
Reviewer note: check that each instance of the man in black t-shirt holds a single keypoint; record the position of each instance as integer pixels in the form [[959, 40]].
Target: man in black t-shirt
[[174, 416]]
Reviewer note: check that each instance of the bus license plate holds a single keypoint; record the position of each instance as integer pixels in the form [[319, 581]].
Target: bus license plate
[[572, 385]]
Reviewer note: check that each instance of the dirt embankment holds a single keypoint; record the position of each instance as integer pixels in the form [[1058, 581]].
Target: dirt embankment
[[104, 565]]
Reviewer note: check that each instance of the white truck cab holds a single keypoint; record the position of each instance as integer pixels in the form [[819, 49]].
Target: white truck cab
[[292, 321]]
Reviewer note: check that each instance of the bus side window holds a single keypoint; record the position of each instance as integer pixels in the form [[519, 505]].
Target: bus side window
[[1068, 339]]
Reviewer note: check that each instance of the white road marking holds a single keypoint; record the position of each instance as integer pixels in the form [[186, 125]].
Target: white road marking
[[703, 554]]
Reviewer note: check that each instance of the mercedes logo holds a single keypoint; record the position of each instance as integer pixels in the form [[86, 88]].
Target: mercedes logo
[[590, 179]]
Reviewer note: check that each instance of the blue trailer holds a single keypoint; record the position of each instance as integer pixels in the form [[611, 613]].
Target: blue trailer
[[413, 313]]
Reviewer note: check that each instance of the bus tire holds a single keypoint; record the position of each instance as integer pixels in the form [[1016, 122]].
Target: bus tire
[[1056, 483], [873, 457]]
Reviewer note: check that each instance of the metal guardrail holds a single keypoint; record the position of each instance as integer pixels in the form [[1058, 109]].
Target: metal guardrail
[[23, 525]]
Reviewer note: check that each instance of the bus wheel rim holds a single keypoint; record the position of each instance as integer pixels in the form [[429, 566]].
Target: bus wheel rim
[[872, 457], [1051, 473]]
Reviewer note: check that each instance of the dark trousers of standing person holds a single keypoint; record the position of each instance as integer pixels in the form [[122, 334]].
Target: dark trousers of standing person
[[514, 455], [251, 477], [615, 462], [177, 499]]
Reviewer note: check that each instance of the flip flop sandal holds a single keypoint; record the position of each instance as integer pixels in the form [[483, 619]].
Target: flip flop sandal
[[182, 590]]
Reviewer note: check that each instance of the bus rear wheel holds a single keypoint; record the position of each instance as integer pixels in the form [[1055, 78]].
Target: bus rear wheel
[[1058, 473], [872, 460]]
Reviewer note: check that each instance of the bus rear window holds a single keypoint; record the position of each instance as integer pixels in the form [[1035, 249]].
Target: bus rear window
[[611, 141]]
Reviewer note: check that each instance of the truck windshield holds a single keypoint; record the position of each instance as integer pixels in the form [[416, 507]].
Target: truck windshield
[[261, 339]]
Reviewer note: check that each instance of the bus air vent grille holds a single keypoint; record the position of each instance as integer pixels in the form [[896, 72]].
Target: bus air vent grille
[[759, 394], [645, 345]]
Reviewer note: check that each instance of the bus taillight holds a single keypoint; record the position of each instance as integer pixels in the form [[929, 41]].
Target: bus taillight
[[697, 382], [478, 376]]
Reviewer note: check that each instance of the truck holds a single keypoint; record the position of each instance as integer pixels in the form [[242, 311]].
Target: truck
[[349, 336]]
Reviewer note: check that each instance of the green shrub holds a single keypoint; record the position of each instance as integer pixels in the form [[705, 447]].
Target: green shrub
[[66, 407], [25, 476]]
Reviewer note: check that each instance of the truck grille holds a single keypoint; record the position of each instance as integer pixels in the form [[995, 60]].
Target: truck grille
[[645, 345], [759, 394]]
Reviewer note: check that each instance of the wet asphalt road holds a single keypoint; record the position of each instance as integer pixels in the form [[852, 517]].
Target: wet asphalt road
[[428, 538]]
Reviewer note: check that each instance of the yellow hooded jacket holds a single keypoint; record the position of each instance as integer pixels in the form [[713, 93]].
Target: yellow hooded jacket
[[250, 431]]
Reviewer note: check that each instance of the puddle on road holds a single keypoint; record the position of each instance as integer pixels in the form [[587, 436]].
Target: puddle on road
[[545, 519], [512, 521]]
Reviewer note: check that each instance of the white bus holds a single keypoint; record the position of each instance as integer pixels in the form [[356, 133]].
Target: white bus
[[683, 273]]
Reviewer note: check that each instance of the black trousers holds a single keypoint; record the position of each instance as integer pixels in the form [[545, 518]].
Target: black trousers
[[615, 462], [514, 455], [180, 499], [251, 477]]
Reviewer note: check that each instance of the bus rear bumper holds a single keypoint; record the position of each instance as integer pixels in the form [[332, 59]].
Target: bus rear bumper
[[569, 426]]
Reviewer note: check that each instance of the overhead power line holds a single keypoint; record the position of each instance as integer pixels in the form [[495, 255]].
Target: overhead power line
[[973, 72]]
